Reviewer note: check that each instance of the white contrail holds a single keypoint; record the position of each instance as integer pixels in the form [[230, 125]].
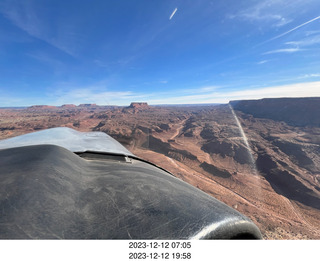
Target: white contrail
[[297, 27], [291, 30], [174, 11], [245, 139]]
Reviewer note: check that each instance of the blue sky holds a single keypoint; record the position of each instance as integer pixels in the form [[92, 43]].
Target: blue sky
[[159, 51]]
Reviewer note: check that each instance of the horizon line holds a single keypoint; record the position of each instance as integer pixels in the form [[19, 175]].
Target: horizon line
[[162, 104]]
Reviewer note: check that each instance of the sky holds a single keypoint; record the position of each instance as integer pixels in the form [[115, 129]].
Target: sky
[[112, 52]]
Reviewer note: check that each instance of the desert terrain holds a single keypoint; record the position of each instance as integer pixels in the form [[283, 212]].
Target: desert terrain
[[259, 157]]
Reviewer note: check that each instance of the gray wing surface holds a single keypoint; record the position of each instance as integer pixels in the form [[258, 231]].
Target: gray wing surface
[[70, 139]]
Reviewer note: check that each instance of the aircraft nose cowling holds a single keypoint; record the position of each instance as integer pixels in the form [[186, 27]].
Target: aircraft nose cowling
[[229, 228], [50, 192]]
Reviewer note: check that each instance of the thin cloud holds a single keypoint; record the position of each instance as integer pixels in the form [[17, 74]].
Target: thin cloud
[[308, 33], [285, 50], [11, 101], [264, 11], [164, 82], [173, 13], [26, 18], [87, 95], [293, 90], [263, 62], [309, 89], [208, 89], [283, 21], [306, 42], [93, 95], [311, 75], [293, 29]]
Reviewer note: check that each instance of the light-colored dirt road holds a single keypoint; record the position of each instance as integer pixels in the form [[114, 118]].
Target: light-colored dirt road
[[177, 132]]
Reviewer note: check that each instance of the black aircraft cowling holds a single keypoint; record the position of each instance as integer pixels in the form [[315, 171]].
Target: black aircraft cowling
[[49, 192]]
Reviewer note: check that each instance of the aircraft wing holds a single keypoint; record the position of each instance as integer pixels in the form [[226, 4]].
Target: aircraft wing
[[101, 192], [70, 139]]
